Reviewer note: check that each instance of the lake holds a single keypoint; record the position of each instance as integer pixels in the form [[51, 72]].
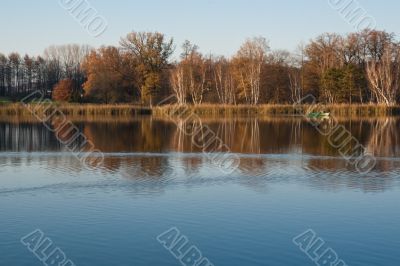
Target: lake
[[155, 185]]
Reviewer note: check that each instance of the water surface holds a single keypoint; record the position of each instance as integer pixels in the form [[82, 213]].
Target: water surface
[[289, 179]]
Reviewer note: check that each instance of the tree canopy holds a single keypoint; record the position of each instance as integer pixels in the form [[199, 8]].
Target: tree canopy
[[360, 67]]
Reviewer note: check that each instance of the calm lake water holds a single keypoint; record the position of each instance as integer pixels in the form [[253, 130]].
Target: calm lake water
[[289, 179]]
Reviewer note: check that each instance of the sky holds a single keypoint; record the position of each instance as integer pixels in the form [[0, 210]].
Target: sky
[[217, 26]]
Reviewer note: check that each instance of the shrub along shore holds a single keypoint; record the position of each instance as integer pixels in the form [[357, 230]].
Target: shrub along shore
[[204, 110]]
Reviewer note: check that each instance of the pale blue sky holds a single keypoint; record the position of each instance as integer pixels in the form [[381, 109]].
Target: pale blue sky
[[218, 26]]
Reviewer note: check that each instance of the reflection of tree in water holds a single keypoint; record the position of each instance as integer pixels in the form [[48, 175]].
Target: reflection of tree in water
[[112, 164], [250, 138], [296, 132], [179, 136], [243, 135], [384, 138], [27, 136], [252, 166], [226, 131], [184, 132], [146, 175], [192, 165], [139, 168], [280, 136], [136, 136], [384, 141]]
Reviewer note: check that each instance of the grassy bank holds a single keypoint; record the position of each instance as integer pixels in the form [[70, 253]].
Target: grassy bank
[[205, 110], [339, 110], [74, 110]]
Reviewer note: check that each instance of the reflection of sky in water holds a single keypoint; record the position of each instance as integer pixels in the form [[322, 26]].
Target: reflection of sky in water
[[111, 215]]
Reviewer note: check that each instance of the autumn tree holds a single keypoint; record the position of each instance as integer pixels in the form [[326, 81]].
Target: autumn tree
[[275, 78], [63, 90], [152, 51], [111, 76], [65, 62], [324, 52], [359, 67], [248, 64]]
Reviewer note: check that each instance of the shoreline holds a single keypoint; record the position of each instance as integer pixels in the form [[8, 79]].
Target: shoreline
[[204, 110]]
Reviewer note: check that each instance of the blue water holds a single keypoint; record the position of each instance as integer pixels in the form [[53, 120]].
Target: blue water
[[112, 215]]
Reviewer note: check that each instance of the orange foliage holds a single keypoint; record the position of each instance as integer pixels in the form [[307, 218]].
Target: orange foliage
[[62, 91], [110, 75]]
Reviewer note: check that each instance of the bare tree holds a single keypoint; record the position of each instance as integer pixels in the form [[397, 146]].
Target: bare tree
[[295, 84], [223, 81], [197, 77], [178, 84], [296, 74], [384, 73], [189, 78], [248, 65]]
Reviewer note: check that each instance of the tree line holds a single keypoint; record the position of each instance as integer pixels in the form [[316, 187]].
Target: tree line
[[20, 76], [361, 67]]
